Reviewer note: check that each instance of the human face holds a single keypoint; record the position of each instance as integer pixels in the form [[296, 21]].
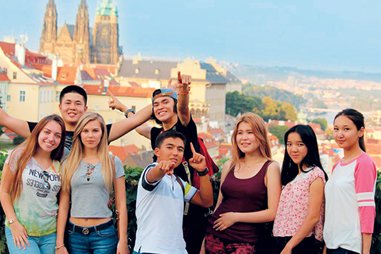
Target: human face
[[296, 148], [172, 149], [163, 108], [50, 137], [91, 134], [345, 133], [246, 140], [72, 107]]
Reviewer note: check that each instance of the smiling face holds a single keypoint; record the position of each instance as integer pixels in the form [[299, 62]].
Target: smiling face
[[171, 149], [91, 134], [245, 138], [50, 136], [346, 133], [72, 107], [163, 108], [296, 148]]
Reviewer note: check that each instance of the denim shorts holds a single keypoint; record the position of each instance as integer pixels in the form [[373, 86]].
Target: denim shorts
[[97, 241], [37, 244]]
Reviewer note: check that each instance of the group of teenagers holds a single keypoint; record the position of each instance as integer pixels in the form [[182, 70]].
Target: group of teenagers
[[59, 186]]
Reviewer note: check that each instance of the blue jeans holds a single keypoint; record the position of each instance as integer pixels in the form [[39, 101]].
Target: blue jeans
[[340, 251], [37, 244], [102, 241]]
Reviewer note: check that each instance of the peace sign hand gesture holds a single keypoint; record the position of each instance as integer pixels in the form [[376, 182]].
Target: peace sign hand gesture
[[197, 161]]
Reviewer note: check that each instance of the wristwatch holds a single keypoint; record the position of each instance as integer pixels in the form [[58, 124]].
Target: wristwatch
[[130, 110], [11, 221]]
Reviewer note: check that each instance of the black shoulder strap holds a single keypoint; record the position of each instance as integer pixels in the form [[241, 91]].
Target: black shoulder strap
[[181, 184]]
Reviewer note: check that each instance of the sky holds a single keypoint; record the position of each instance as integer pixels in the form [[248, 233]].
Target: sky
[[308, 34]]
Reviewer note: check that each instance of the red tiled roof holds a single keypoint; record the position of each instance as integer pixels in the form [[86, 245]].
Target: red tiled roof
[[3, 76], [8, 48], [66, 75], [224, 149], [124, 151]]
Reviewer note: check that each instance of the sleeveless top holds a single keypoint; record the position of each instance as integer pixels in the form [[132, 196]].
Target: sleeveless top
[[241, 195]]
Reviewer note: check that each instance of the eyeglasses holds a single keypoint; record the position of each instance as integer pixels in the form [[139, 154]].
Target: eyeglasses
[[45, 177], [90, 169]]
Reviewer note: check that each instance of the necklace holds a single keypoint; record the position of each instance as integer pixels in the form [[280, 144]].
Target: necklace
[[89, 170]]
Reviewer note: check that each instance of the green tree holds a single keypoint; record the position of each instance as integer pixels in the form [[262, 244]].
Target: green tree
[[288, 111], [237, 103], [322, 121], [278, 131]]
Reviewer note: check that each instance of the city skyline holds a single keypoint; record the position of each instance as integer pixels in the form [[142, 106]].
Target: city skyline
[[324, 35]]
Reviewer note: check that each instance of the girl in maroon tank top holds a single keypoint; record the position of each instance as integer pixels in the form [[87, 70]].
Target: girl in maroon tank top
[[249, 192]]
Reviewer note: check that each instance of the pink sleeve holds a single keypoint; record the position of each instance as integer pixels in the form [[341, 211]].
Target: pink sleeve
[[365, 181]]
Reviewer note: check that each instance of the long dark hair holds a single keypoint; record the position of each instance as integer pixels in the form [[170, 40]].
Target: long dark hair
[[289, 169], [357, 118]]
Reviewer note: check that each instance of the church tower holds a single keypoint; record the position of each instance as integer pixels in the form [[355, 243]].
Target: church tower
[[82, 35], [106, 34], [49, 31]]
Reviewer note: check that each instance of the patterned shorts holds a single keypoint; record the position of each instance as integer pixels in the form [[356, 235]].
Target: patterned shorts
[[215, 245]]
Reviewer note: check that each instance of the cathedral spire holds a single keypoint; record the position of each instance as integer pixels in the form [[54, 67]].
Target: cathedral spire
[[49, 31], [82, 34]]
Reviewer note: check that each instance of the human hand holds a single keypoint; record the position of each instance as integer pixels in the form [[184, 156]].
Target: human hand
[[62, 250], [166, 167], [122, 248], [183, 82], [114, 103], [19, 234], [198, 160], [225, 221]]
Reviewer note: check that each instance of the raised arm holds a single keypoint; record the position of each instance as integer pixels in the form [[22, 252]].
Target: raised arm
[[203, 197], [183, 88], [114, 103], [20, 127], [124, 126]]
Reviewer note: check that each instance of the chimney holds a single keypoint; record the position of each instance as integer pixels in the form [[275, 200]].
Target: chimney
[[54, 68], [20, 53]]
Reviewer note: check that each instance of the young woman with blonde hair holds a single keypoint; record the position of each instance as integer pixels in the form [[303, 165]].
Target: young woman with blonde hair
[[249, 193], [90, 176], [29, 187]]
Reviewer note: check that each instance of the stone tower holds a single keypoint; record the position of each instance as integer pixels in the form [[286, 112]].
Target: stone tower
[[106, 34], [49, 30], [82, 35]]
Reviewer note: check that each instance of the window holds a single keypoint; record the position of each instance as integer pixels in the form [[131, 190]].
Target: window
[[22, 96], [57, 96], [8, 97], [14, 75]]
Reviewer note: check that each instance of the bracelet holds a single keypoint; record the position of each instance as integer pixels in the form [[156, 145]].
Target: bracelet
[[59, 247], [203, 173], [183, 93], [130, 110]]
